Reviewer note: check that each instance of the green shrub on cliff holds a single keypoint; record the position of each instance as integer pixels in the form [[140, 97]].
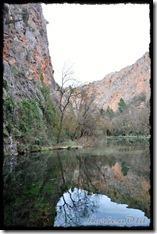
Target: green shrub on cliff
[[31, 121], [30, 116], [109, 112], [38, 121], [8, 112], [51, 115], [121, 105]]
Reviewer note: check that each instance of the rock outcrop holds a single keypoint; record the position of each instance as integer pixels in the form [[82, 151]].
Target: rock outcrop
[[128, 83], [28, 83], [25, 53]]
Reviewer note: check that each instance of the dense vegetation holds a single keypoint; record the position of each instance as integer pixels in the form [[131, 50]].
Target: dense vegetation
[[34, 123], [130, 119], [31, 122]]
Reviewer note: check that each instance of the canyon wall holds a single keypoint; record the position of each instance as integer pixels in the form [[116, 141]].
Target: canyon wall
[[118, 104], [28, 72], [127, 83], [25, 53]]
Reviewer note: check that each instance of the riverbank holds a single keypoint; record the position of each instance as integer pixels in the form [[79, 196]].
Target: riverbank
[[83, 142]]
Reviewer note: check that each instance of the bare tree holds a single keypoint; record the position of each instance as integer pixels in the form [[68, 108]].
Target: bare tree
[[65, 93], [83, 106], [77, 102]]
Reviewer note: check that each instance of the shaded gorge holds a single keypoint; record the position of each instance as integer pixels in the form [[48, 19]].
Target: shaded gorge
[[109, 184]]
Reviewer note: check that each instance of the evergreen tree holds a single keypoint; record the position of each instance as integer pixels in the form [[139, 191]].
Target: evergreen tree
[[121, 105]]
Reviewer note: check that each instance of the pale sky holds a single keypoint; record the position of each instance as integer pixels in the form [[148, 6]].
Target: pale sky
[[96, 39]]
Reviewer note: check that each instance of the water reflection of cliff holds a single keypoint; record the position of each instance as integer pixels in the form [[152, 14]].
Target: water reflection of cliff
[[33, 188], [124, 177]]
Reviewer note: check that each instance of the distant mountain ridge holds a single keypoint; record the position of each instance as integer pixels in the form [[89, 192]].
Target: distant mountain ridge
[[129, 82]]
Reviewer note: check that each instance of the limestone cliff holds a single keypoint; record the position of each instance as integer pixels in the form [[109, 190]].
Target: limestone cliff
[[127, 83], [119, 103], [28, 72], [25, 53]]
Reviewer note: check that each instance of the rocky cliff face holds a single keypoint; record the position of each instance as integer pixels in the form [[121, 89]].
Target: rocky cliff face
[[25, 53], [118, 104], [28, 74], [128, 83]]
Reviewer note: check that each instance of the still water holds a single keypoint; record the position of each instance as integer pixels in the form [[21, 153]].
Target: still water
[[103, 186], [77, 208]]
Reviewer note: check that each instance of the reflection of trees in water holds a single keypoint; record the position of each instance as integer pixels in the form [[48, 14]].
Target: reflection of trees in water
[[85, 177], [73, 206], [76, 204], [34, 185], [31, 191], [115, 178], [92, 173]]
